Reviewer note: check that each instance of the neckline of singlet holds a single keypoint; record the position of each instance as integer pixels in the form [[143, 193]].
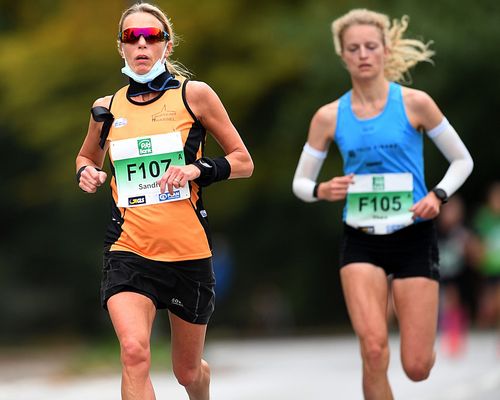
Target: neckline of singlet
[[392, 88], [160, 85], [145, 103]]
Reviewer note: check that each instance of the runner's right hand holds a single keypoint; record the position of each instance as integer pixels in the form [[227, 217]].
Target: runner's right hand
[[336, 188], [91, 179]]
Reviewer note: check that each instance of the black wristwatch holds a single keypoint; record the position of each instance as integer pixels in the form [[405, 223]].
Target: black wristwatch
[[440, 194]]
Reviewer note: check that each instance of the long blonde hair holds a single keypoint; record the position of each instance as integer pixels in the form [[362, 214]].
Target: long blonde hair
[[403, 53], [174, 67]]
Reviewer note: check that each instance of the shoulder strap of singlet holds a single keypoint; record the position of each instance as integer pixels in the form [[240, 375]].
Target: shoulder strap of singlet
[[184, 100]]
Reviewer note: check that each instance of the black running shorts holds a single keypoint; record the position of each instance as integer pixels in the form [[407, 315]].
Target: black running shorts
[[186, 288], [408, 252]]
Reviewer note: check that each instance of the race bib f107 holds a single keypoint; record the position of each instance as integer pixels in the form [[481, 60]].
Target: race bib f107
[[140, 162]]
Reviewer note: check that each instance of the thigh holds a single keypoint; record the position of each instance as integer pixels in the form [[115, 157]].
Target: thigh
[[366, 291], [132, 315], [188, 340], [416, 304], [193, 296]]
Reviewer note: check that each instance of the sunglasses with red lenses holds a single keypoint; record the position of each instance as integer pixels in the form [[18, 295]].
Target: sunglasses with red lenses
[[151, 35]]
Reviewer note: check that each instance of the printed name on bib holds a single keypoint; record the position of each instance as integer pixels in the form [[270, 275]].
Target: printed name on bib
[[140, 162], [380, 203]]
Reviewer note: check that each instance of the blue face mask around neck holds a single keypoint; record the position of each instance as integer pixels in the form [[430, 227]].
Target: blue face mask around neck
[[158, 68]]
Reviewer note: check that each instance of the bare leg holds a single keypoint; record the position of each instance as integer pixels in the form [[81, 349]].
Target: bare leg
[[132, 315], [366, 294], [190, 369], [416, 302]]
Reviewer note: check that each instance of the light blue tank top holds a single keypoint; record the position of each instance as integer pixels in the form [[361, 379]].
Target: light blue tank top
[[382, 144]]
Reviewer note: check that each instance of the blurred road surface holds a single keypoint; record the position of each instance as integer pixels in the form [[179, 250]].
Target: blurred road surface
[[278, 369]]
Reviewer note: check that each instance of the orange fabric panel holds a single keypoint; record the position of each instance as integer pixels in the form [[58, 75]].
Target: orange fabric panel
[[168, 231]]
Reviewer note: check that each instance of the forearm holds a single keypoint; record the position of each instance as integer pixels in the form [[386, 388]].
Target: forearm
[[306, 174], [451, 146], [83, 160], [456, 175]]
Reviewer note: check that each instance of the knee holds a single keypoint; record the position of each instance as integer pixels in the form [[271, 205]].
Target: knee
[[189, 375], [375, 354], [134, 353], [418, 370]]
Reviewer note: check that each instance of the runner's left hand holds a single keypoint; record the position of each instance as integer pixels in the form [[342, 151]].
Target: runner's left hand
[[177, 176], [427, 208]]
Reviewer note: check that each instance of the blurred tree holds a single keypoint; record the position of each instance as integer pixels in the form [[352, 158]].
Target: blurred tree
[[273, 65]]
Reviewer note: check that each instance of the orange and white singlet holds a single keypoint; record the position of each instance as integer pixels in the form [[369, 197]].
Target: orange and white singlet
[[144, 140]]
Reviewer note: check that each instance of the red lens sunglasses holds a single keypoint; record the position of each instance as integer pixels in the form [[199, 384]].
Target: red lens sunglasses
[[151, 35]]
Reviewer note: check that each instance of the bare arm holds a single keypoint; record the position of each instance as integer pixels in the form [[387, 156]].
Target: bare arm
[[424, 113], [421, 109], [321, 133], [208, 108], [210, 111], [91, 154], [322, 127]]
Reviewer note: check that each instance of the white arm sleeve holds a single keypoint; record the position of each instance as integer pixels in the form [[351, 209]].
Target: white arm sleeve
[[310, 163], [451, 146]]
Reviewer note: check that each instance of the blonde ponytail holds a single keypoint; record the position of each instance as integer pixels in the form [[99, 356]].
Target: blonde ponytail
[[404, 53]]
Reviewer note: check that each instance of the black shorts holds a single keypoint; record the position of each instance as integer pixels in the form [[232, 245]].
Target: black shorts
[[408, 252], [186, 288]]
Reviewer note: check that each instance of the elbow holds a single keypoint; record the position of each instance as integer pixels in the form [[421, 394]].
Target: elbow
[[466, 165], [301, 188], [244, 170], [249, 167], [469, 165], [297, 193], [241, 167]]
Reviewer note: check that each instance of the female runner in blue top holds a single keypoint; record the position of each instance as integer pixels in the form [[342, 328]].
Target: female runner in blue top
[[388, 215]]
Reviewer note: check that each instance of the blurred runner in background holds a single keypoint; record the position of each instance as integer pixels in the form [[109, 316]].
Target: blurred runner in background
[[388, 216], [487, 226], [454, 241]]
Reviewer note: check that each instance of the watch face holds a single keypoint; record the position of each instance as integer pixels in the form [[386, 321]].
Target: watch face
[[440, 194]]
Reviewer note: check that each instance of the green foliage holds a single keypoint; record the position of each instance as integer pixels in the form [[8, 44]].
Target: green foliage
[[272, 63]]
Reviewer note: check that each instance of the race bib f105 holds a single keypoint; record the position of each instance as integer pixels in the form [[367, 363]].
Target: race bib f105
[[380, 203]]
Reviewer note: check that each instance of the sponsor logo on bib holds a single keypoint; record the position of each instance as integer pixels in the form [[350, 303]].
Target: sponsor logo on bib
[[144, 146], [167, 196], [135, 201], [378, 183]]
